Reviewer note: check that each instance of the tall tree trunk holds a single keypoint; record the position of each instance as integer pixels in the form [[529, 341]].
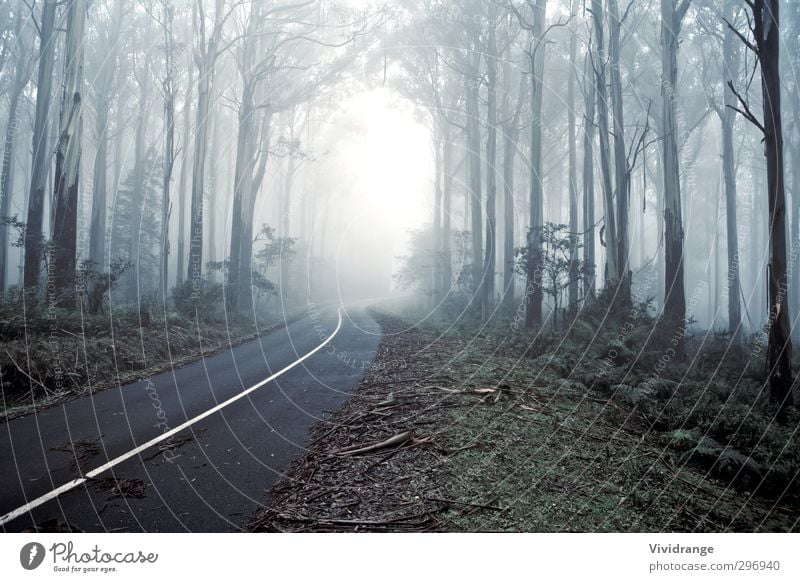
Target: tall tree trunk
[[41, 148], [248, 212], [730, 57], [766, 28], [474, 192], [533, 284], [288, 184], [103, 91], [490, 258], [205, 59], [12, 130], [623, 292], [793, 93], [610, 227], [212, 190], [139, 190], [509, 227], [182, 183], [243, 176], [573, 170], [447, 200], [589, 258], [169, 148], [674, 293], [68, 162], [97, 228]]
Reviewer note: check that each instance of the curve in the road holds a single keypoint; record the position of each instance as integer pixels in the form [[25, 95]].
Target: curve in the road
[[164, 436]]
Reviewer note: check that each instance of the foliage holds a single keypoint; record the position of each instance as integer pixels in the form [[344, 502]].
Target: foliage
[[555, 265], [276, 249], [95, 287], [203, 300], [417, 268], [141, 187]]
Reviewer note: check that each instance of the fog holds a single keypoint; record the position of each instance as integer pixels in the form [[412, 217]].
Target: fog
[[345, 150]]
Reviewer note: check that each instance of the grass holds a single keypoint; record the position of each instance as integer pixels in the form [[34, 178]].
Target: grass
[[596, 433]]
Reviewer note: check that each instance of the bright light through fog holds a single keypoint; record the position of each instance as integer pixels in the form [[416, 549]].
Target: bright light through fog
[[393, 161], [379, 155]]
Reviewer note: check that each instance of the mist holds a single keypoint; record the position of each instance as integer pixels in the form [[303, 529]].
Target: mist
[[585, 197]]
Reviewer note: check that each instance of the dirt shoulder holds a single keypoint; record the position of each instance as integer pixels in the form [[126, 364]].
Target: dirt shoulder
[[451, 434]]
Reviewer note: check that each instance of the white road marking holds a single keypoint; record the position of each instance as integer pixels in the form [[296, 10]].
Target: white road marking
[[162, 437]]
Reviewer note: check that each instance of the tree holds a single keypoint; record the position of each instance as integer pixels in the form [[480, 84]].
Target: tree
[[589, 259], [610, 221], [674, 293], [41, 151], [206, 52], [558, 266], [622, 276], [103, 89], [68, 161], [183, 179], [726, 114], [573, 164], [168, 95], [766, 46], [487, 302], [22, 69], [535, 54]]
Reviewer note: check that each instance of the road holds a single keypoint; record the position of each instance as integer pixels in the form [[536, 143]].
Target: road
[[211, 475]]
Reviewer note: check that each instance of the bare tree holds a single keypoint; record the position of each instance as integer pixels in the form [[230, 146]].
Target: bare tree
[[183, 179], [589, 259], [206, 51], [535, 25], [610, 221], [490, 259], [674, 294], [573, 166], [22, 71], [41, 149], [68, 161], [766, 46], [168, 95], [103, 89], [622, 276]]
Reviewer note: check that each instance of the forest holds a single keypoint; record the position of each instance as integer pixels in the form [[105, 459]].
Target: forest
[[541, 255]]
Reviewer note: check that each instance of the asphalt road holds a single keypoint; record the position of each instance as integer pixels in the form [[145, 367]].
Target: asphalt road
[[209, 477]]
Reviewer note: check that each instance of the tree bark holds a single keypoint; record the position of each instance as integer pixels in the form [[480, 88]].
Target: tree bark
[[622, 292], [610, 227], [447, 200], [12, 130], [206, 64], [589, 258], [182, 182], [766, 28], [533, 284], [68, 162], [104, 89], [139, 189], [490, 259], [730, 67], [41, 148], [674, 293], [572, 292], [474, 153], [169, 148]]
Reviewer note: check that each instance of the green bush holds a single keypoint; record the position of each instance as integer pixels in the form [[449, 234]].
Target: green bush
[[203, 300]]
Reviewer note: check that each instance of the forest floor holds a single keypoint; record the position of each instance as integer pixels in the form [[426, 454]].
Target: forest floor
[[495, 433], [46, 360]]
